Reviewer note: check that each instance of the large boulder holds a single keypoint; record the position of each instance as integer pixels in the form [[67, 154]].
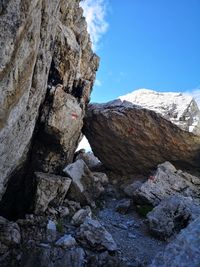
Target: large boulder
[[49, 189], [9, 235], [61, 124], [183, 251], [130, 138], [178, 108], [167, 181], [43, 44], [86, 186], [171, 215]]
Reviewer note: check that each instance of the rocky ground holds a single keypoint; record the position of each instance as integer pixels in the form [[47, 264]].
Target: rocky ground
[[57, 207], [136, 246], [87, 219]]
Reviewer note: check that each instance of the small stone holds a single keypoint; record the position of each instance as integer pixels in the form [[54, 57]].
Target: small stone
[[123, 206], [93, 235], [122, 226], [66, 241], [131, 188], [63, 211], [51, 231], [44, 245], [131, 223], [80, 216], [51, 211], [130, 235], [51, 225]]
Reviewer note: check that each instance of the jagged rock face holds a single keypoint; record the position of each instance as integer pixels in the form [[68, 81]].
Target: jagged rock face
[[183, 251], [86, 186], [50, 188], [38, 36], [93, 234], [129, 138], [178, 108], [167, 181], [171, 215]]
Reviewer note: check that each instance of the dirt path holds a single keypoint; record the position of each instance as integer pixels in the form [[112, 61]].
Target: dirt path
[[136, 246]]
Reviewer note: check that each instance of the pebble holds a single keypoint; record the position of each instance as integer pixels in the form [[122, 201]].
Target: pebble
[[123, 226], [44, 245], [130, 235], [51, 225]]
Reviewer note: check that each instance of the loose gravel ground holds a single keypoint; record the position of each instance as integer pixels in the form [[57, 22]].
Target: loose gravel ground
[[130, 231]]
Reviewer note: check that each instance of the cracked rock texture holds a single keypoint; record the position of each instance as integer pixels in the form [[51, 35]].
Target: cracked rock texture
[[183, 251], [171, 215], [178, 108], [137, 138], [86, 185], [166, 182], [50, 189], [45, 55]]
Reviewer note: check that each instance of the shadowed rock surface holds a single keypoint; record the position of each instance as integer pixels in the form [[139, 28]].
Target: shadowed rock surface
[[171, 215], [49, 188], [183, 251], [128, 138], [43, 44]]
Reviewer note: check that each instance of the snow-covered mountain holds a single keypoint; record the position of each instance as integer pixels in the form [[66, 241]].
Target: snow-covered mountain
[[180, 109]]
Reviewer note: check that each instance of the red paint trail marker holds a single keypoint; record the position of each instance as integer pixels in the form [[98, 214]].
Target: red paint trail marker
[[152, 178], [74, 116]]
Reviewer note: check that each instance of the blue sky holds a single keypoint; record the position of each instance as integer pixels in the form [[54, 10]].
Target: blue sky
[[152, 44]]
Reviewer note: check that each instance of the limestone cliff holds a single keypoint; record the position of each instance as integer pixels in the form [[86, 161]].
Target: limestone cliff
[[47, 69]]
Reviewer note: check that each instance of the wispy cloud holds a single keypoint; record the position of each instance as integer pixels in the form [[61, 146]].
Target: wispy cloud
[[98, 82], [95, 14]]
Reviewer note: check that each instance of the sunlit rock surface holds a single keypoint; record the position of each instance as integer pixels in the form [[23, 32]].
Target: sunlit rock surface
[[129, 138]]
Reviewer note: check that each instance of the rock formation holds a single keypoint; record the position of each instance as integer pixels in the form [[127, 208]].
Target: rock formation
[[171, 215], [167, 181], [56, 207], [178, 108], [183, 251], [129, 138], [45, 56]]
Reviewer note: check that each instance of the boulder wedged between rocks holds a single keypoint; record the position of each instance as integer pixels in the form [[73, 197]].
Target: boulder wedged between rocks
[[129, 138]]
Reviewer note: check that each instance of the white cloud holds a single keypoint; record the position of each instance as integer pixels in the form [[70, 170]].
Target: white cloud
[[97, 82], [95, 13], [84, 144]]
